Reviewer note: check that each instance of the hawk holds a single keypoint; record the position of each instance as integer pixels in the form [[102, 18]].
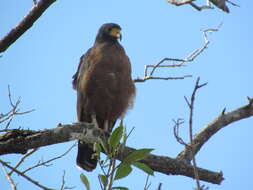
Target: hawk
[[105, 89]]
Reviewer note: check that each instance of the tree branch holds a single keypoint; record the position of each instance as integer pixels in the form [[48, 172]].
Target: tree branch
[[27, 139], [221, 4], [170, 166], [210, 129], [25, 176], [180, 62], [25, 24]]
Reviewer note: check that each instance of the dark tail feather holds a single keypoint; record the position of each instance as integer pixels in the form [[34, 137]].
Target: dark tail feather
[[84, 157]]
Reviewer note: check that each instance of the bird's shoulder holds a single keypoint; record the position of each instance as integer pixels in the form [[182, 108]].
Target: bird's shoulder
[[83, 65]]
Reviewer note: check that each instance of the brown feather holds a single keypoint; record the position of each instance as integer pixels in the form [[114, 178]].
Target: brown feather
[[103, 82]]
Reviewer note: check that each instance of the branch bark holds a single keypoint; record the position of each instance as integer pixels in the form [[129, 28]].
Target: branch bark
[[27, 22], [208, 131], [20, 141]]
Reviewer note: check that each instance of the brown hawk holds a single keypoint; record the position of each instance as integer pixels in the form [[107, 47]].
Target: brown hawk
[[105, 89]]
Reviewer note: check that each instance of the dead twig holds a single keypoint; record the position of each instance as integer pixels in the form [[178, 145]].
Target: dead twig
[[13, 185], [221, 4], [44, 163], [24, 176], [192, 148], [177, 124], [8, 117], [147, 183], [149, 74], [63, 187], [213, 127], [23, 159]]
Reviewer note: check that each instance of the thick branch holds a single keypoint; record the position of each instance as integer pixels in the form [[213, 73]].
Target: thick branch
[[170, 166], [25, 24], [26, 139], [208, 131]]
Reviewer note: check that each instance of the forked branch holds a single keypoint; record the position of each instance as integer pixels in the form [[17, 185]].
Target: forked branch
[[149, 70]]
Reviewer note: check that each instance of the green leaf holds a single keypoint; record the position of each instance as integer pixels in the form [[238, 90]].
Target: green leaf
[[114, 139], [85, 181], [104, 145], [137, 155], [97, 147], [124, 136], [103, 179], [120, 188], [144, 167], [123, 171]]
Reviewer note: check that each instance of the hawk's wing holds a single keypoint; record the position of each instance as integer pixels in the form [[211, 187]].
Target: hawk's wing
[[82, 67]]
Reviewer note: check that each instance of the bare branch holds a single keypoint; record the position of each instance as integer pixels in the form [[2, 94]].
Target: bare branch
[[63, 186], [221, 4], [170, 166], [147, 183], [25, 24], [181, 62], [50, 160], [213, 127], [24, 176], [13, 185], [200, 8], [192, 148], [23, 159], [179, 3], [27, 139], [159, 186], [8, 117], [176, 127]]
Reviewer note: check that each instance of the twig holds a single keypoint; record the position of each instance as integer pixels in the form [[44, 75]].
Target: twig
[[13, 185], [221, 4], [110, 174], [200, 8], [27, 22], [147, 183], [63, 187], [230, 2], [176, 127], [191, 108], [159, 186], [23, 159], [13, 112], [25, 176], [50, 160], [213, 127], [181, 62], [179, 3], [63, 181]]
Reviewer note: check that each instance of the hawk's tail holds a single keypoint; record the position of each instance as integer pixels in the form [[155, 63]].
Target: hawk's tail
[[84, 157]]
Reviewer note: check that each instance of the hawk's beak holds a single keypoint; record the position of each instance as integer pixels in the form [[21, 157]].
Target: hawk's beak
[[115, 32], [119, 36]]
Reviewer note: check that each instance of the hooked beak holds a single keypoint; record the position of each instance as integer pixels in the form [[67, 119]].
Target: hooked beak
[[115, 32]]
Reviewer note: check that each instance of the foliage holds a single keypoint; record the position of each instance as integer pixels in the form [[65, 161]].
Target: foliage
[[111, 170]]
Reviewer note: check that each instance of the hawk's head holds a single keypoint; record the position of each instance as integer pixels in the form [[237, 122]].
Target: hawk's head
[[109, 32]]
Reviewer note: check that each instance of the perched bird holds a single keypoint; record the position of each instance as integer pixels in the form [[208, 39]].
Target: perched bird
[[105, 89]]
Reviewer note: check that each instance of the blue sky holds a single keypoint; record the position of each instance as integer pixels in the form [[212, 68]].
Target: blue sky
[[39, 67]]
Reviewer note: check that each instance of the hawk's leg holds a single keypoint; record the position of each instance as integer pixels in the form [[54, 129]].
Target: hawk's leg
[[106, 126], [94, 120]]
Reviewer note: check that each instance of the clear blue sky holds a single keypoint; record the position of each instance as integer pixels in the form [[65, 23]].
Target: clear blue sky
[[39, 67]]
